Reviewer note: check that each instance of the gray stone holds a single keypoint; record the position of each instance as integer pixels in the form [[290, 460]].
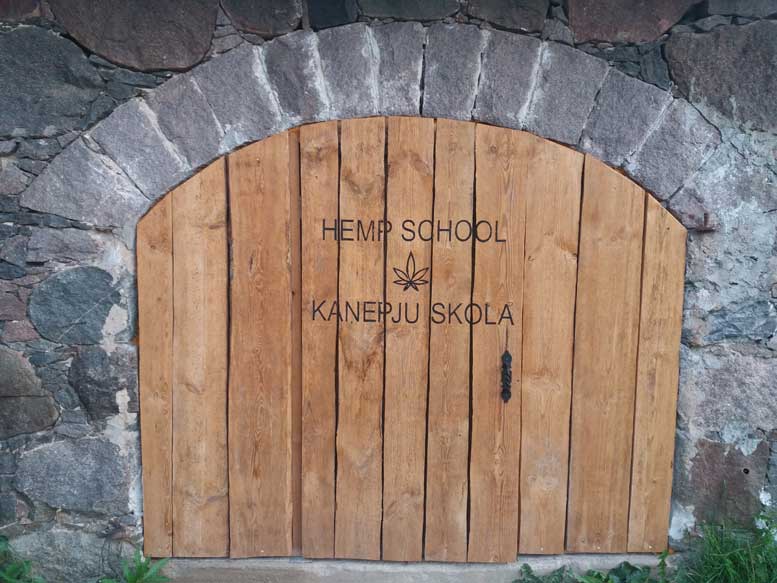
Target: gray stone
[[249, 110], [71, 306], [677, 147], [624, 21], [14, 251], [24, 415], [7, 463], [9, 271], [132, 138], [267, 18], [525, 15], [49, 89], [12, 180], [711, 22], [752, 8], [730, 70], [39, 149], [82, 185], [555, 30], [11, 307], [349, 62], [7, 509], [625, 111], [453, 53], [567, 83], [401, 49], [653, 68], [18, 379], [187, 120], [754, 320], [7, 147], [328, 13], [507, 72], [32, 166], [18, 331], [409, 9], [19, 10], [294, 68], [142, 34], [61, 245], [98, 376]]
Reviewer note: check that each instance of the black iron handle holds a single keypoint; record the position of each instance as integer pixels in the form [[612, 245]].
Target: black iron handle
[[507, 375]]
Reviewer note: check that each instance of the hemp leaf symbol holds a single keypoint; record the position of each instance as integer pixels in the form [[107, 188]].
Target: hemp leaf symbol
[[410, 277]]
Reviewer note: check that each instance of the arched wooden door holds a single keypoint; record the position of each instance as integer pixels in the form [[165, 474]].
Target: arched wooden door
[[408, 339]]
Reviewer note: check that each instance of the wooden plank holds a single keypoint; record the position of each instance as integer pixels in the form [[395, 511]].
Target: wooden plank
[[663, 275], [155, 325], [260, 401], [500, 195], [319, 153], [360, 368], [409, 197], [550, 273], [605, 360], [200, 484], [448, 440], [295, 239]]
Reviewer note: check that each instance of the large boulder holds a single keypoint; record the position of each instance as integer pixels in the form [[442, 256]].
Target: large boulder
[[98, 376]]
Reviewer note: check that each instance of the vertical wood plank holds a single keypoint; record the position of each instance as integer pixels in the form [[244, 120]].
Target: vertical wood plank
[[448, 440], [260, 400], [155, 325], [663, 274], [550, 273], [319, 177], [362, 264], [501, 169], [200, 486], [409, 197], [605, 360]]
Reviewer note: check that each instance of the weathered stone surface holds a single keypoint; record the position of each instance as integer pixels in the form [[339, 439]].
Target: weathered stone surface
[[409, 9], [264, 17], [11, 307], [105, 197], [186, 119], [22, 415], [624, 21], [731, 70], [508, 67], [7, 147], [401, 49], [98, 376], [349, 62], [19, 10], [678, 146], [564, 94], [143, 34], [61, 245], [653, 68], [328, 13], [452, 69], [71, 306], [17, 377], [625, 112], [526, 15], [132, 138], [751, 8], [249, 110], [49, 89], [39, 149], [555, 30], [12, 180], [14, 250], [18, 331], [294, 68]]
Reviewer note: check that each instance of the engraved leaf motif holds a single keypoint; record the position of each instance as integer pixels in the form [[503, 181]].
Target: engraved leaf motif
[[410, 277]]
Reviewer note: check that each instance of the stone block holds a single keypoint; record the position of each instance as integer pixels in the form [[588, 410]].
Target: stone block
[[349, 62], [624, 114], [506, 76], [624, 21], [525, 15], [453, 53], [237, 89], [132, 138], [678, 146], [12, 179], [61, 245], [328, 13], [401, 48], [409, 9], [567, 83], [187, 120], [23, 415], [266, 18], [747, 8], [17, 377], [97, 376]]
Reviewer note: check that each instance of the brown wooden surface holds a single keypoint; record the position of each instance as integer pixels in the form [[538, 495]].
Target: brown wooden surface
[[550, 273], [409, 196], [606, 332], [155, 325], [500, 195], [200, 482], [448, 441], [663, 275], [319, 177], [359, 431], [260, 400]]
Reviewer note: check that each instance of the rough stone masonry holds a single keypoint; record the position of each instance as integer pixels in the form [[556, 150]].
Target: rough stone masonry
[[104, 108]]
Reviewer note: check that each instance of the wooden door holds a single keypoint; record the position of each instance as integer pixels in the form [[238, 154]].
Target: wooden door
[[408, 339]]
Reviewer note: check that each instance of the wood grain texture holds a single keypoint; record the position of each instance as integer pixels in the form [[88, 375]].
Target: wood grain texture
[[605, 359], [200, 483], [658, 363], [409, 195], [260, 400], [550, 275], [501, 169], [362, 265], [319, 177], [448, 440], [155, 326]]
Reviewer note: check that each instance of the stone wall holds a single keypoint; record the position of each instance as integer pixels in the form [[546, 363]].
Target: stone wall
[[70, 489]]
